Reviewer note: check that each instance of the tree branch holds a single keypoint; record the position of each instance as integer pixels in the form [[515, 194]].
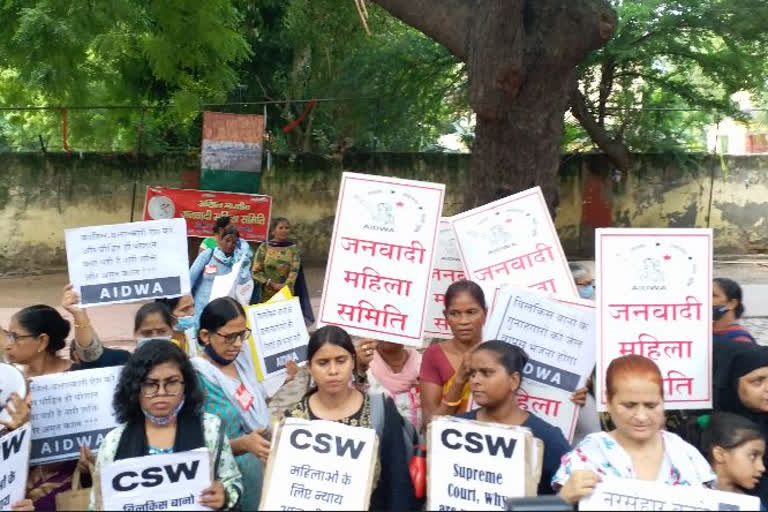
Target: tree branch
[[616, 150], [445, 21]]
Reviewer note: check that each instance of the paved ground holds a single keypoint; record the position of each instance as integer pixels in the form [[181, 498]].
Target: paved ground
[[115, 323]]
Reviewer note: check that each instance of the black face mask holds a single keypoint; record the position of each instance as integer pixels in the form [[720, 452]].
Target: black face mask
[[719, 312], [216, 357]]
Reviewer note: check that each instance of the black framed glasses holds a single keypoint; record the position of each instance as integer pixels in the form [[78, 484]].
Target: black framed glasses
[[231, 339], [14, 338], [170, 388]]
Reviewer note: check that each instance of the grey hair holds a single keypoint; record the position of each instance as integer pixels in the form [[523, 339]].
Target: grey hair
[[578, 271]]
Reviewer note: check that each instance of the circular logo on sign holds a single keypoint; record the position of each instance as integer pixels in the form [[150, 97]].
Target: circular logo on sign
[[161, 207], [392, 211], [659, 266], [504, 229]]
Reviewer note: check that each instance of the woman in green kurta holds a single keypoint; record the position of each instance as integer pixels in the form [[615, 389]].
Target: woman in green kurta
[[276, 262]]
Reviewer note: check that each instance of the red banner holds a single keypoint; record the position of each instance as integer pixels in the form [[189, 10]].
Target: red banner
[[200, 208]]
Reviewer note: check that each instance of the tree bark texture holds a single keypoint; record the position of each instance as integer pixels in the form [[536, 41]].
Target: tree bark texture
[[521, 56]]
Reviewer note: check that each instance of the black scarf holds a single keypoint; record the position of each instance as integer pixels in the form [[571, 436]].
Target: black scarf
[[189, 436]]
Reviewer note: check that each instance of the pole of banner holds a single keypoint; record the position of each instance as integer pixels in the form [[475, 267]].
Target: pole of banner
[[133, 198]]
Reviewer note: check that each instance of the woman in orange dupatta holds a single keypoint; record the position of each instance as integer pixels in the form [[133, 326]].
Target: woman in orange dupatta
[[444, 376]]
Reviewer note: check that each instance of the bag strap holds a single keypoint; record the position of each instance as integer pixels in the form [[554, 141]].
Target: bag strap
[[377, 413], [76, 476]]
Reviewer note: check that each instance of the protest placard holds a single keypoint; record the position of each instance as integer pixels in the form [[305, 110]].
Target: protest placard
[[250, 213], [157, 482], [280, 335], [477, 466], [320, 465], [13, 473], [558, 335], [626, 494], [128, 262], [70, 410], [446, 269], [654, 298], [13, 381], [378, 275], [513, 240]]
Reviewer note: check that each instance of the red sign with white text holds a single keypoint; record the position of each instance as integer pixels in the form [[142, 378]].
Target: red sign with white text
[[200, 208]]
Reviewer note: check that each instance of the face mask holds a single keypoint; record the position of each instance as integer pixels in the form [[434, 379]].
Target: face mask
[[719, 312], [141, 341], [164, 420], [587, 291], [216, 357], [184, 323]]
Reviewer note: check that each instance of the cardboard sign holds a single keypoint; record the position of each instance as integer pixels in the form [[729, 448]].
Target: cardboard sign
[[279, 335], [157, 482], [70, 410], [477, 466], [250, 213], [654, 298], [626, 494], [378, 275], [513, 240], [13, 474], [128, 262], [446, 269], [320, 465]]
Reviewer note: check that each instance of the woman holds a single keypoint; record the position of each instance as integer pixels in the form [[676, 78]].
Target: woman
[[152, 321], [444, 375], [158, 404], [393, 369], [231, 255], [585, 283], [740, 375], [496, 373], [185, 328], [639, 447], [212, 242], [727, 308], [276, 264], [233, 392], [35, 335], [331, 361]]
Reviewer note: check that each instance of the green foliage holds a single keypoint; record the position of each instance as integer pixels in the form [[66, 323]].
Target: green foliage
[[680, 54]]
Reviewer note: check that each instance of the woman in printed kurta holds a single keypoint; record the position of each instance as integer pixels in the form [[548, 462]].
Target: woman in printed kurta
[[158, 403], [638, 448], [276, 262]]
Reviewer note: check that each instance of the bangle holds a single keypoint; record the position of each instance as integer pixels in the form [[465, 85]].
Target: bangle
[[451, 404]]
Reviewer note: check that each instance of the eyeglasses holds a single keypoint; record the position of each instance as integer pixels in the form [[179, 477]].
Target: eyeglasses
[[170, 388], [13, 338], [231, 339]]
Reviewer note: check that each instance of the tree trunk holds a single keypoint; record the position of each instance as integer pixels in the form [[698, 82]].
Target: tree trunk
[[521, 56]]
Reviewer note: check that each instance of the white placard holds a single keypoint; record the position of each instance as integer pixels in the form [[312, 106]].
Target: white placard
[[13, 475], [320, 465], [128, 262], [626, 494], [654, 298], [446, 269], [69, 410], [12, 381], [475, 466], [378, 275], [279, 334], [513, 240], [157, 482]]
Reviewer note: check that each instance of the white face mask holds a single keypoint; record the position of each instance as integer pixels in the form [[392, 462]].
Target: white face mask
[[141, 341]]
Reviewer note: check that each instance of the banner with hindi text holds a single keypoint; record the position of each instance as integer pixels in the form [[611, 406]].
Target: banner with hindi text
[[513, 241], [654, 298], [378, 275], [446, 269]]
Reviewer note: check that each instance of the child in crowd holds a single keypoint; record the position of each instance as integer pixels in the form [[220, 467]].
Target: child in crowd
[[735, 448]]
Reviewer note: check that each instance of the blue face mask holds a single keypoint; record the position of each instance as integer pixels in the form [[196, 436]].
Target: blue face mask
[[184, 323], [587, 291]]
